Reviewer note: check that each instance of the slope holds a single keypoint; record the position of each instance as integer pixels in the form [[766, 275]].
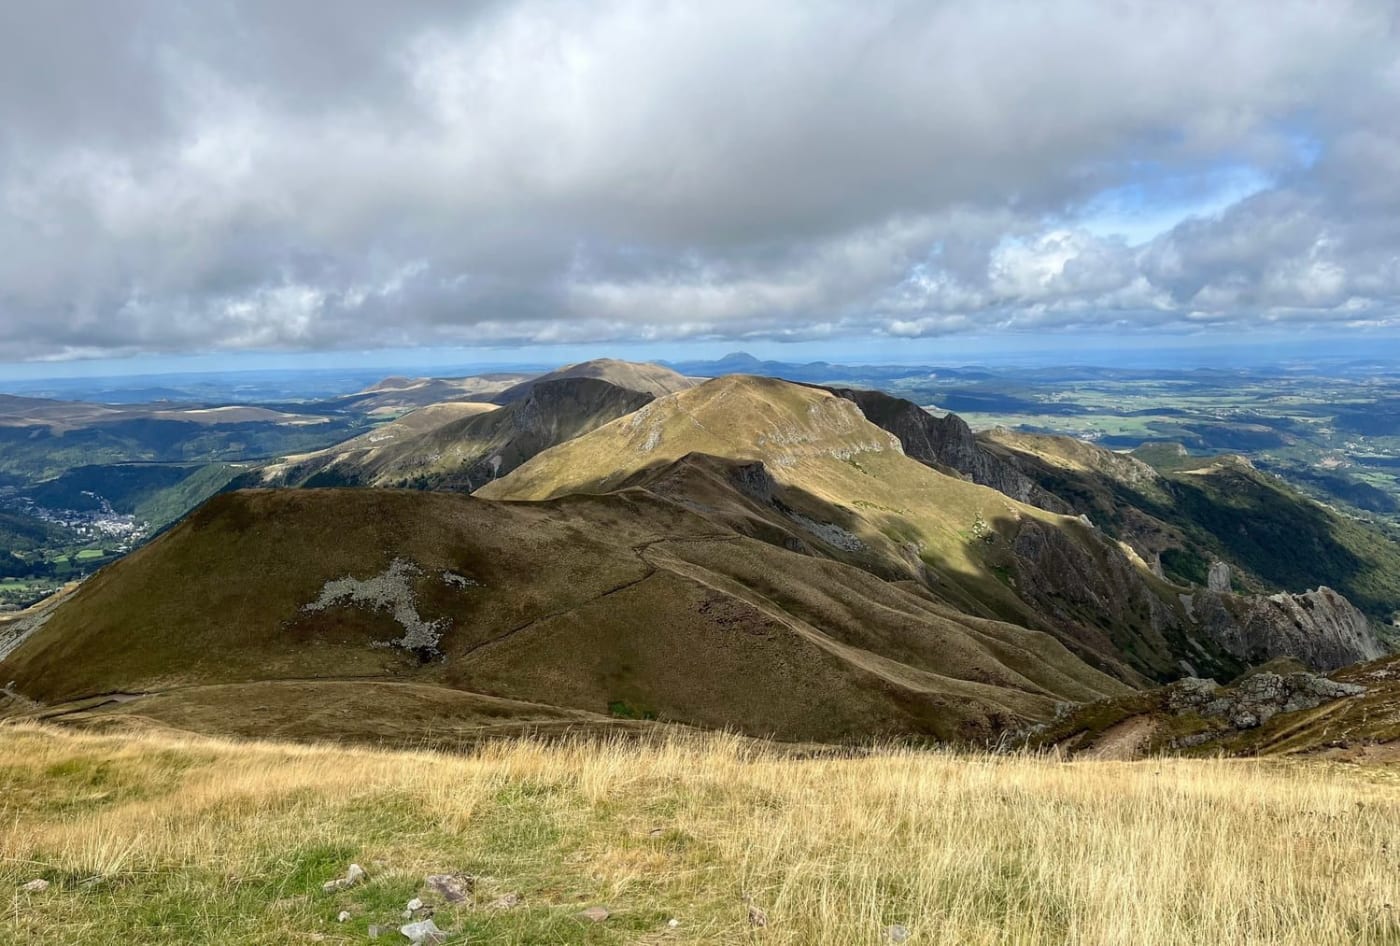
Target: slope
[[627, 604], [1187, 512], [832, 482], [344, 463], [642, 377], [460, 446]]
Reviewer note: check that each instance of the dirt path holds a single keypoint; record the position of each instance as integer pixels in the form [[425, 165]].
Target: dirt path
[[1122, 742]]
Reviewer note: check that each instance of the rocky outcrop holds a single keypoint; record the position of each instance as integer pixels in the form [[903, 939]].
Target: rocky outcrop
[[948, 442], [1082, 585], [1218, 579], [1257, 698], [1320, 628]]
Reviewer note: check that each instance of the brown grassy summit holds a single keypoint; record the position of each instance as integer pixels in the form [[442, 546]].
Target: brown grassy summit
[[642, 377]]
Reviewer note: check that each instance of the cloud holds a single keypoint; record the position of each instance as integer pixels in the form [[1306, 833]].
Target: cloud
[[189, 177]]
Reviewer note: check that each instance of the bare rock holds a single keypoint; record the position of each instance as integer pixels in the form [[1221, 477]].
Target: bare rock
[[37, 885], [454, 888], [1258, 698], [423, 933], [595, 914], [356, 874], [1218, 578], [343, 916], [896, 934]]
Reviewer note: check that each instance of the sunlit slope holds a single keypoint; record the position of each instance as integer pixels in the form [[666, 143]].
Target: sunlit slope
[[623, 605], [642, 377], [843, 487], [463, 446]]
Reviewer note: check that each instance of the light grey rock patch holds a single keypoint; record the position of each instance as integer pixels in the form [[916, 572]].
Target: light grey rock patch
[[459, 581], [1218, 579], [391, 590], [423, 933], [37, 885], [356, 874], [453, 888]]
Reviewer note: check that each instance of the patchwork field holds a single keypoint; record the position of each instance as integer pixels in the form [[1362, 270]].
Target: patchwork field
[[157, 838]]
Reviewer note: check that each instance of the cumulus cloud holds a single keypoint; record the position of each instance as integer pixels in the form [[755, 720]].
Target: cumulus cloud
[[261, 175]]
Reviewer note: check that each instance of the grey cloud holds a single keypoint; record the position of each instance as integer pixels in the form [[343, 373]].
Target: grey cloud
[[192, 176]]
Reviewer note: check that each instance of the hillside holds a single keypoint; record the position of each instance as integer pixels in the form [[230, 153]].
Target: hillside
[[1188, 512], [625, 605], [398, 395], [462, 445], [829, 480], [349, 461], [641, 377]]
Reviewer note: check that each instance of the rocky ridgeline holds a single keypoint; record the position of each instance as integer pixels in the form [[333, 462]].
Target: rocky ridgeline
[[1321, 627], [948, 442]]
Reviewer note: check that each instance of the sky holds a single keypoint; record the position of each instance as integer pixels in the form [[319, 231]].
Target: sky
[[262, 182]]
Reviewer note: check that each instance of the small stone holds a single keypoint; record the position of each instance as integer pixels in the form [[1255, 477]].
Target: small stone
[[342, 916], [507, 901], [673, 923], [595, 914], [37, 885], [757, 917], [353, 876], [453, 887], [414, 905], [424, 933], [897, 933]]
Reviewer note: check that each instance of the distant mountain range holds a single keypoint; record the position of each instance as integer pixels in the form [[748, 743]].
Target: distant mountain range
[[776, 557]]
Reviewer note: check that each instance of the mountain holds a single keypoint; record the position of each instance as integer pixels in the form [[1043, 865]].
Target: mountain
[[643, 378], [628, 604], [823, 477], [398, 394], [348, 462], [462, 445], [748, 553]]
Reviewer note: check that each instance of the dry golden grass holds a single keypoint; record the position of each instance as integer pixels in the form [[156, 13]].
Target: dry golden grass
[[200, 841]]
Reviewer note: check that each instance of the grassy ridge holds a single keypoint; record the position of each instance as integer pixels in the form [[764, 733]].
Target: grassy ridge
[[161, 839]]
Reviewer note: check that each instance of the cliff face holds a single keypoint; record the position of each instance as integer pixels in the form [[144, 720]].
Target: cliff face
[[1205, 631], [1320, 628], [948, 442]]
